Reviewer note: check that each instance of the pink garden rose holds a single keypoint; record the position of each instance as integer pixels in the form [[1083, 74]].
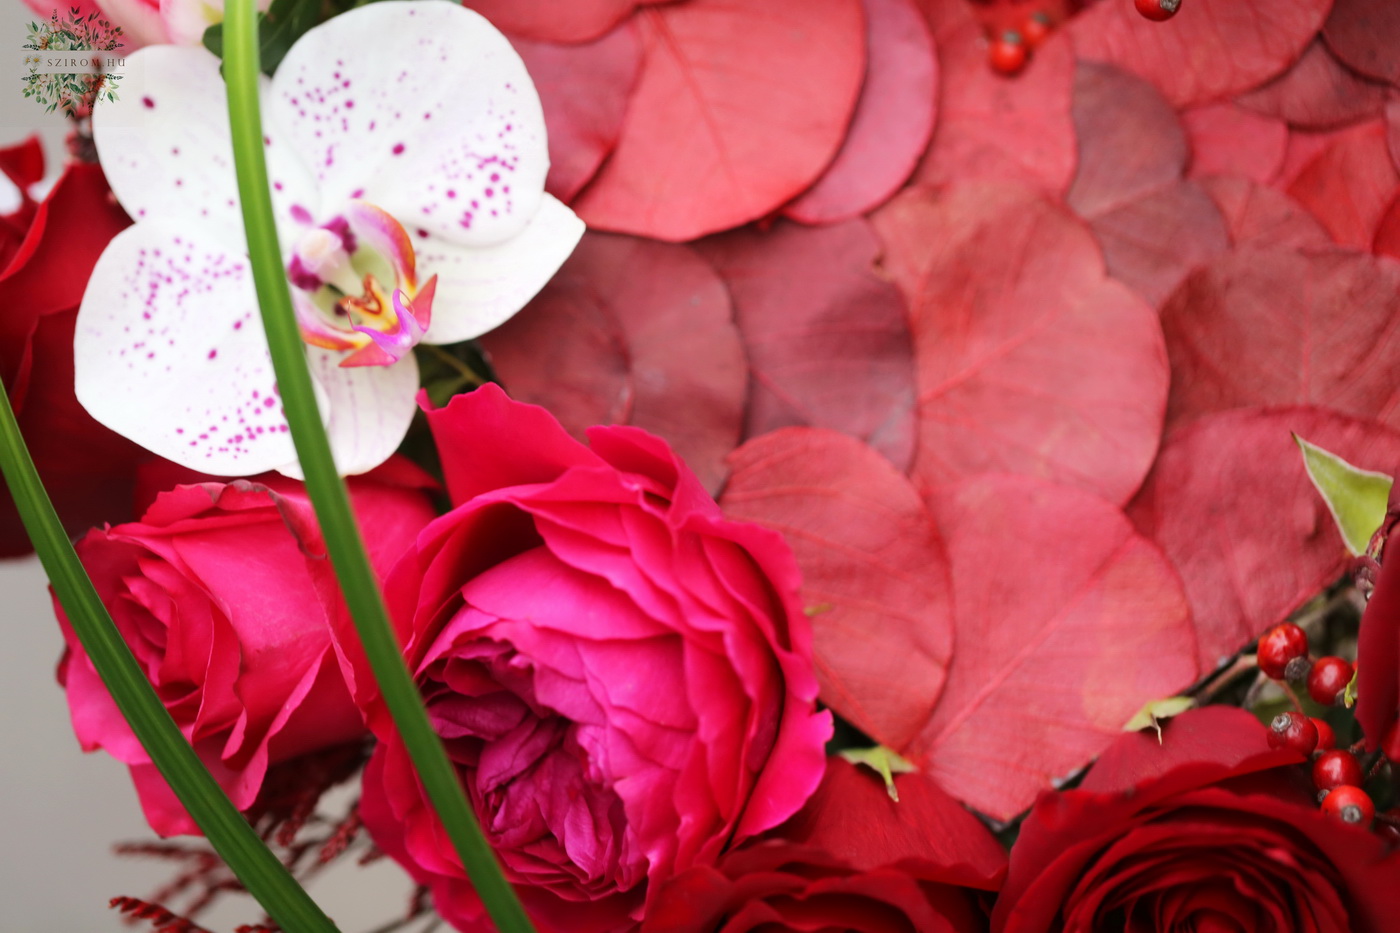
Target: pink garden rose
[[623, 676], [225, 596]]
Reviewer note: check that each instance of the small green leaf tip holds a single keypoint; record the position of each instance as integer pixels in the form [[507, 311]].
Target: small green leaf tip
[[1355, 497], [1154, 711], [883, 762]]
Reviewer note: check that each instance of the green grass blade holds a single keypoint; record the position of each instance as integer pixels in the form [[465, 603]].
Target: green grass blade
[[256, 867], [327, 491]]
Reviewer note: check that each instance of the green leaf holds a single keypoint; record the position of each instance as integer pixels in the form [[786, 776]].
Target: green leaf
[[883, 762], [1355, 497], [279, 28], [228, 832], [327, 490], [1154, 711]]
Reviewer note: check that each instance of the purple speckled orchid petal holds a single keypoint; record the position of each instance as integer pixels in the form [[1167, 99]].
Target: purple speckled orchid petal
[[167, 153], [481, 288], [422, 108], [370, 409], [169, 351]]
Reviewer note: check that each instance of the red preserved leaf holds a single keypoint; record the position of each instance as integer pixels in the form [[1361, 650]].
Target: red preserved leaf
[[1153, 226], [1387, 241], [1067, 621], [1282, 327], [1214, 49], [993, 127], [1262, 216], [1365, 35], [828, 340], [739, 108], [1029, 358], [874, 572], [632, 332], [1349, 184], [551, 21], [893, 119], [584, 90], [1229, 140], [1318, 93], [1248, 560], [1392, 134]]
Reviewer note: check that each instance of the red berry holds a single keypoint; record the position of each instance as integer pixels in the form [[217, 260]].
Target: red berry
[[1336, 768], [1350, 805], [1280, 645], [1036, 29], [1326, 738], [1008, 54], [1294, 731], [1158, 10], [1328, 678]]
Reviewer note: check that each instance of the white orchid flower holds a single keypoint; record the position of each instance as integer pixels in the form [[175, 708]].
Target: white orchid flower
[[406, 151]]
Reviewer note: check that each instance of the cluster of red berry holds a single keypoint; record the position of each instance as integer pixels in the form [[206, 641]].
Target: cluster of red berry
[[1009, 50], [1337, 773]]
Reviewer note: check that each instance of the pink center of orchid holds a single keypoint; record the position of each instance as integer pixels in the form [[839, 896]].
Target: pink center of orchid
[[356, 287]]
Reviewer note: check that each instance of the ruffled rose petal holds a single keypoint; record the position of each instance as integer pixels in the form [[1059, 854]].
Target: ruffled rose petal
[[369, 409], [169, 352], [480, 288], [433, 118], [168, 155]]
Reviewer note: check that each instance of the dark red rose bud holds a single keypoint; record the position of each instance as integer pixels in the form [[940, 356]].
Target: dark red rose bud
[[1329, 677], [1279, 646], [1350, 805], [1293, 731], [1337, 768], [1158, 10], [1326, 738]]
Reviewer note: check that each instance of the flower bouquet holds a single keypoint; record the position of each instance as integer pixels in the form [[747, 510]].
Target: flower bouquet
[[714, 466]]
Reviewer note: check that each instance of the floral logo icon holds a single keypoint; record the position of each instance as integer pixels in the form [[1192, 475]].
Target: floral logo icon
[[68, 82]]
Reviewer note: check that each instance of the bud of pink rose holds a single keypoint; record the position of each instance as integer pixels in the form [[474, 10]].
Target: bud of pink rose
[[226, 599], [622, 676]]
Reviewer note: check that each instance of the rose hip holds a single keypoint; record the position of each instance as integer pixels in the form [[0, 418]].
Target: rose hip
[[1280, 646], [1326, 738], [1336, 768], [1350, 805], [1293, 731], [1390, 745], [1328, 678], [1008, 53], [1158, 10]]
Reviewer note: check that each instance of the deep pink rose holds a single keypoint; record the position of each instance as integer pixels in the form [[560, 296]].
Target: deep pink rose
[[225, 596], [851, 859], [623, 676], [1208, 832]]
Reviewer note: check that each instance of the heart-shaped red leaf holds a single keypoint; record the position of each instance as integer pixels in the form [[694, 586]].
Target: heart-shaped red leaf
[[1247, 561], [1229, 140], [1029, 358], [739, 108], [1318, 93], [874, 572], [828, 340], [893, 120], [1261, 216], [1282, 327], [1349, 184], [1365, 35], [552, 21], [1214, 49], [993, 127], [1067, 621], [584, 90], [632, 332], [1153, 226]]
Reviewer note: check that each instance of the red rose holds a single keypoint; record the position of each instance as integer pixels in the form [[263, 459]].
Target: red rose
[[1209, 832], [623, 676], [1378, 648], [87, 470], [852, 859], [225, 596]]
